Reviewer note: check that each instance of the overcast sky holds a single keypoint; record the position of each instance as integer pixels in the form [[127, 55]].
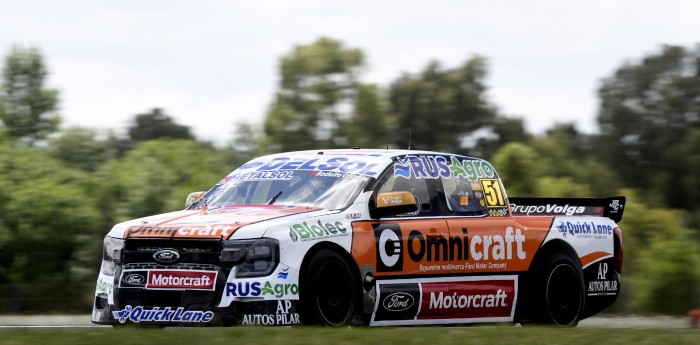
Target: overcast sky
[[213, 63]]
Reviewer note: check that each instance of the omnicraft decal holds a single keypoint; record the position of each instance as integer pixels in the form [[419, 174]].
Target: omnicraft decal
[[445, 300], [140, 314]]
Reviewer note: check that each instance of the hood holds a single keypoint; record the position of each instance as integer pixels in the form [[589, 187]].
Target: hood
[[215, 224]]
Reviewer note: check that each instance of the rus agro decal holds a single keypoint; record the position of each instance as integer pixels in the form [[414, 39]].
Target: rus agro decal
[[156, 314], [433, 167]]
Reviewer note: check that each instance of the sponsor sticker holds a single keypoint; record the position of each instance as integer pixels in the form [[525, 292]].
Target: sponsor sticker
[[140, 314], [283, 316], [181, 280], [585, 229], [104, 286], [445, 300], [207, 231], [440, 253], [548, 209], [353, 165], [317, 231], [261, 289], [433, 167]]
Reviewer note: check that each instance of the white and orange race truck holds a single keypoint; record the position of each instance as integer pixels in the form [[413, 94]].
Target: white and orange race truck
[[374, 237]]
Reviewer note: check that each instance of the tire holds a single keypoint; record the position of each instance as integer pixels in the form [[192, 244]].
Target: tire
[[329, 291], [561, 292]]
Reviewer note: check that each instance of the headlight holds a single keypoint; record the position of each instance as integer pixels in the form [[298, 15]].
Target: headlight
[[111, 254], [253, 258]]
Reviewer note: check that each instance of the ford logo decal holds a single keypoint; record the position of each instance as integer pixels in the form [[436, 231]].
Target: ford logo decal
[[398, 301], [135, 278], [166, 256]]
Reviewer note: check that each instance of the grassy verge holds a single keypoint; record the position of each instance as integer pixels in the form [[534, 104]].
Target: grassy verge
[[308, 336]]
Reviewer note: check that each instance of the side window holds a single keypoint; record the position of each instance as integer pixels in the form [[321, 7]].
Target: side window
[[463, 196], [417, 186]]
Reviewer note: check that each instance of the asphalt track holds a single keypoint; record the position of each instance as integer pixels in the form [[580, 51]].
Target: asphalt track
[[83, 321]]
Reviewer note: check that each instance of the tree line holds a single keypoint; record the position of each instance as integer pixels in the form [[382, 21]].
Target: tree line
[[63, 189]]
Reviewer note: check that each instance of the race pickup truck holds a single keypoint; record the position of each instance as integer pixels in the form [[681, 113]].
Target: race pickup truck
[[363, 237]]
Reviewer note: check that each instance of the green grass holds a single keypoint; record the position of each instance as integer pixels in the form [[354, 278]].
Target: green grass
[[309, 335]]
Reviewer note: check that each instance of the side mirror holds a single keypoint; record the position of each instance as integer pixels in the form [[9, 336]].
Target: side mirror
[[393, 204], [192, 198]]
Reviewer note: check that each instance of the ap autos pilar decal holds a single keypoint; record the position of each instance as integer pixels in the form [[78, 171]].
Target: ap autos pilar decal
[[433, 167], [141, 314], [601, 279], [284, 315], [445, 300]]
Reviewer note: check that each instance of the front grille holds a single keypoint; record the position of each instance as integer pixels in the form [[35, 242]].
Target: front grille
[[195, 251]]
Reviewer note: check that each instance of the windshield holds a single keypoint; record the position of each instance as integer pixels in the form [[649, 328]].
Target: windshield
[[324, 189]]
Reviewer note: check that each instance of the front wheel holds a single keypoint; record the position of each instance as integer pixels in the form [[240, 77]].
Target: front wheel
[[328, 291]]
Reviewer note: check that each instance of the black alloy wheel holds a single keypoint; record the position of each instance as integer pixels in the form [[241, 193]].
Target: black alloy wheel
[[329, 292]]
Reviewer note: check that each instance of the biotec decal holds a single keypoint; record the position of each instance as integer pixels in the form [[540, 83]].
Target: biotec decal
[[491, 248], [317, 231]]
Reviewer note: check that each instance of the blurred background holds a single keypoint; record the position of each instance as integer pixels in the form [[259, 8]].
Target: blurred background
[[115, 110]]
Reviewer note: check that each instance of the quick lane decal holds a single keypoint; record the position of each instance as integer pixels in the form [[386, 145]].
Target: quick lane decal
[[156, 314]]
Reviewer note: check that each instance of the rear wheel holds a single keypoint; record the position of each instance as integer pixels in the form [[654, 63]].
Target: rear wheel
[[329, 291], [561, 291]]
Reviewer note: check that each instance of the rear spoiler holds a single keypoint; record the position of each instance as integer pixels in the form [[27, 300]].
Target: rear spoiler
[[610, 207]]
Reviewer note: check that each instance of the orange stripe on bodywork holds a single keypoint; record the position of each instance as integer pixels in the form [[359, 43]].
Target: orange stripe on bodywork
[[593, 257]]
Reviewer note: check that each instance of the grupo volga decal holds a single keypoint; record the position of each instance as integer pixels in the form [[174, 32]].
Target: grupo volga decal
[[156, 314]]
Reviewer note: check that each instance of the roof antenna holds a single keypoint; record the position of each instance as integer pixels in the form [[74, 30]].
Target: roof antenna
[[387, 142], [410, 134]]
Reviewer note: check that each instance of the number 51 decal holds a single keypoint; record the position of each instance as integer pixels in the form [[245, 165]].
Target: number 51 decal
[[493, 193]]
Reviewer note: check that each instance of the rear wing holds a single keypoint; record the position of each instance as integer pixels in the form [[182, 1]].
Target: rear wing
[[610, 207]]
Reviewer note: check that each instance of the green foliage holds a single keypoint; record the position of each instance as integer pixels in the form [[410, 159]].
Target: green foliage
[[44, 206], [157, 176], [315, 97], [670, 266], [79, 148], [437, 108], [27, 109], [646, 107], [518, 166], [157, 125]]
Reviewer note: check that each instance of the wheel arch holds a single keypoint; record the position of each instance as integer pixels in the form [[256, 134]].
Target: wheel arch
[[527, 308], [354, 268]]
